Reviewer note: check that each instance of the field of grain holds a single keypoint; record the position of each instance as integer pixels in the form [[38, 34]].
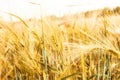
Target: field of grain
[[73, 47]]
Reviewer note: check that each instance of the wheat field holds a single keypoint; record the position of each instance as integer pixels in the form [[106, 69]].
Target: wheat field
[[73, 47]]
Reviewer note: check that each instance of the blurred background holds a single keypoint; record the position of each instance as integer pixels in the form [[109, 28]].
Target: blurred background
[[35, 8]]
